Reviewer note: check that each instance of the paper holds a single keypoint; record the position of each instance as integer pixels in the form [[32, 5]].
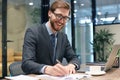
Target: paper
[[22, 77], [67, 77], [48, 77]]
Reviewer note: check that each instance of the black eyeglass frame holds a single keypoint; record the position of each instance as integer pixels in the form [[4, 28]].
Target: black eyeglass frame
[[60, 17]]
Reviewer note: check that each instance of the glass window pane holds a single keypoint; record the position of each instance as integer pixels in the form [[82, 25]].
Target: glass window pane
[[83, 30], [108, 12]]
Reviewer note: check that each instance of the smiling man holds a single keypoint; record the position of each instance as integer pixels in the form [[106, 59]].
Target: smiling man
[[45, 46]]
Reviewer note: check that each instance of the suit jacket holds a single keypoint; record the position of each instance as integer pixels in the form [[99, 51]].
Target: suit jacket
[[38, 51]]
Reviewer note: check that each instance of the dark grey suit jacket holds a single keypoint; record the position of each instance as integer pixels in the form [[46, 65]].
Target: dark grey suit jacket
[[38, 51]]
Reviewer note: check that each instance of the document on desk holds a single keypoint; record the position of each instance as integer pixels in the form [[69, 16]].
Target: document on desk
[[22, 77], [48, 77], [67, 77]]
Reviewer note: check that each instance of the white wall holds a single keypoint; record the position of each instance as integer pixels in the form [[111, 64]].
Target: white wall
[[113, 29]]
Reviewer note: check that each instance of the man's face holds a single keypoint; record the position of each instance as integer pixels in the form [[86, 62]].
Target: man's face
[[58, 18]]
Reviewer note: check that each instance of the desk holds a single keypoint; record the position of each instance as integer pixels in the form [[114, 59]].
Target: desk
[[113, 74]]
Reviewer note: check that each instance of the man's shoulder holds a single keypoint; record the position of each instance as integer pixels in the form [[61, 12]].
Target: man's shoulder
[[37, 27]]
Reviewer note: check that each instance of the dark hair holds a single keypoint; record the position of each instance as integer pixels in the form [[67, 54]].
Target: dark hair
[[59, 4]]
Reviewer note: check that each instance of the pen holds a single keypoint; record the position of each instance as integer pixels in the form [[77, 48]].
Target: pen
[[58, 61]]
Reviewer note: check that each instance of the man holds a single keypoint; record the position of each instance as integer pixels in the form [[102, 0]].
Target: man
[[40, 55]]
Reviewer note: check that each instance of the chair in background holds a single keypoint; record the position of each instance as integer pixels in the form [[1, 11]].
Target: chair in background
[[15, 69]]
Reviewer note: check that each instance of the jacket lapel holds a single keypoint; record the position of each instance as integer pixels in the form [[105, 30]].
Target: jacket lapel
[[47, 38]]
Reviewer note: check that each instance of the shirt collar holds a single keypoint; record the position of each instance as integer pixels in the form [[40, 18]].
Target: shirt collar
[[49, 30]]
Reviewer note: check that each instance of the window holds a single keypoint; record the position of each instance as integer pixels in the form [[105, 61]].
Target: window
[[83, 30], [108, 12]]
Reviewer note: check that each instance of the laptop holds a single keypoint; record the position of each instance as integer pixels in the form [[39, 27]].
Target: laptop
[[104, 66]]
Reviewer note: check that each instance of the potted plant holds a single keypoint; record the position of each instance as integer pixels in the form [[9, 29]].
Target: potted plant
[[35, 15], [102, 44]]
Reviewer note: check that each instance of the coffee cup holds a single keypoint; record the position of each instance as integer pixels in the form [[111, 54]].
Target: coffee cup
[[95, 68]]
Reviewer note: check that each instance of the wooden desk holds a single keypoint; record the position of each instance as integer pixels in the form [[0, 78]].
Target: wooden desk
[[113, 74]]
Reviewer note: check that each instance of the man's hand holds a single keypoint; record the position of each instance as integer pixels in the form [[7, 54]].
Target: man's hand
[[56, 70], [70, 68], [60, 70]]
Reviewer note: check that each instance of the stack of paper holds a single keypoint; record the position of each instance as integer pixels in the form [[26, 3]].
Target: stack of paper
[[48, 77], [22, 77], [67, 77]]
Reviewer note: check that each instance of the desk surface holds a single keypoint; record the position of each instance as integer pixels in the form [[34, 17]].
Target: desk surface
[[113, 74]]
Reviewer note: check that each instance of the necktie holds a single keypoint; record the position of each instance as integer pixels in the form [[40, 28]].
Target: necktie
[[53, 40], [53, 45]]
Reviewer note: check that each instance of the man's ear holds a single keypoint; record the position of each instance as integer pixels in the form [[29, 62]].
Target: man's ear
[[49, 13]]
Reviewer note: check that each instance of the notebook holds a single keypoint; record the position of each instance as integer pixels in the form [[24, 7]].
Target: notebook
[[104, 66]]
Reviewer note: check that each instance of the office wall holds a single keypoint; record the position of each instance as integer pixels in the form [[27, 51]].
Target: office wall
[[115, 28], [16, 23]]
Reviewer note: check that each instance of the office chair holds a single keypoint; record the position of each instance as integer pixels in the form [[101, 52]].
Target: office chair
[[15, 69]]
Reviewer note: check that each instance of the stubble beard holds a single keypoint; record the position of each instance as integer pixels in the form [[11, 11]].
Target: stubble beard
[[53, 26]]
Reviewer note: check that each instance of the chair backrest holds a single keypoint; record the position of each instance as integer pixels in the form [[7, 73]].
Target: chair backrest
[[15, 69]]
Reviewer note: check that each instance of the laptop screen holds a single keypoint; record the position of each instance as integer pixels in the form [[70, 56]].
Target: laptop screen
[[105, 66], [112, 57]]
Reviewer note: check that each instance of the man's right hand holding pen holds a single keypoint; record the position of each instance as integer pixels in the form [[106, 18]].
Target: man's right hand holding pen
[[60, 70]]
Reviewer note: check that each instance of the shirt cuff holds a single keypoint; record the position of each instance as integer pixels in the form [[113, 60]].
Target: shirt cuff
[[76, 66], [43, 69]]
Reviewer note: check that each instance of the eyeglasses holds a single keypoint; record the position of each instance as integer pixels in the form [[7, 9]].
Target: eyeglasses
[[59, 17]]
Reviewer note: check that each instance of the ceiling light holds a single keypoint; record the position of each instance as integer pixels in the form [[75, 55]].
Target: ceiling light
[[82, 4], [75, 10], [108, 19], [31, 3], [99, 13], [75, 1]]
